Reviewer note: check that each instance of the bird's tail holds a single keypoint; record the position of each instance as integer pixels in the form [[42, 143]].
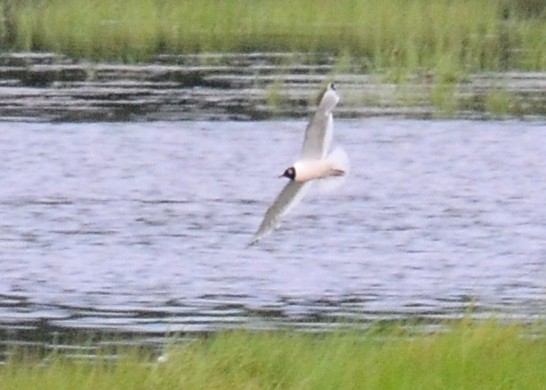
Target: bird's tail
[[342, 166]]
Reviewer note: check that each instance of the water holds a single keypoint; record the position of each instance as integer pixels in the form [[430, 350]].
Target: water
[[247, 86], [143, 227]]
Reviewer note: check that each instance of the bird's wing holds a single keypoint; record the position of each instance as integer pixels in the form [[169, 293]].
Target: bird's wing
[[319, 132], [289, 197]]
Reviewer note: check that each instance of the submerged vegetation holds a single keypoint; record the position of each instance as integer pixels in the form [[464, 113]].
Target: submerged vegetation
[[465, 355], [447, 37]]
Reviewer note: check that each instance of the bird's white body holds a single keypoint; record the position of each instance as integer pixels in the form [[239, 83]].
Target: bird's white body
[[313, 164], [316, 169]]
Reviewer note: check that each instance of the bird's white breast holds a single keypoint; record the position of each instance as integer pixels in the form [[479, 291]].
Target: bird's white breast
[[312, 169]]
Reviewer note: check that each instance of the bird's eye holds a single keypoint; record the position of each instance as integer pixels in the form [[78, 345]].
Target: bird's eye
[[332, 85]]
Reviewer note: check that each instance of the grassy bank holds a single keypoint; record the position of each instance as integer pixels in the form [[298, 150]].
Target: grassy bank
[[465, 356], [442, 35]]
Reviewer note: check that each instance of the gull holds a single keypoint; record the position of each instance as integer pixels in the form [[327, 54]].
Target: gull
[[313, 164]]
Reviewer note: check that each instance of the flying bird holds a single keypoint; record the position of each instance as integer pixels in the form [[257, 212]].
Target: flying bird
[[313, 164]]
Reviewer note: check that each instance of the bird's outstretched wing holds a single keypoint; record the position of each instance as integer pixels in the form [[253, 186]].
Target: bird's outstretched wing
[[290, 195], [319, 132]]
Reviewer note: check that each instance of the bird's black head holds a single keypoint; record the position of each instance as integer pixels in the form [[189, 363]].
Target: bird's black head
[[289, 173]]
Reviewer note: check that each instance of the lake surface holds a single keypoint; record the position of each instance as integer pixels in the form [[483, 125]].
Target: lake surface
[[143, 227]]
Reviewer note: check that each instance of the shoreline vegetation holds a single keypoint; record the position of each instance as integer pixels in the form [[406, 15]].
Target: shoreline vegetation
[[438, 58], [463, 354], [443, 36]]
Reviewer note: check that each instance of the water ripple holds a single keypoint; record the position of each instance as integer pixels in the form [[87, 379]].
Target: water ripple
[[142, 227]]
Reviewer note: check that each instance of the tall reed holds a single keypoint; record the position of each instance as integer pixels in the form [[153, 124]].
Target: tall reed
[[462, 356], [440, 35]]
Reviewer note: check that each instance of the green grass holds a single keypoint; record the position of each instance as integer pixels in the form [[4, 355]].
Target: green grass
[[498, 102], [466, 355], [448, 37]]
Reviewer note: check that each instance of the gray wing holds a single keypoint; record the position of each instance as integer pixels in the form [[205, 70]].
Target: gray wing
[[290, 195], [318, 135]]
